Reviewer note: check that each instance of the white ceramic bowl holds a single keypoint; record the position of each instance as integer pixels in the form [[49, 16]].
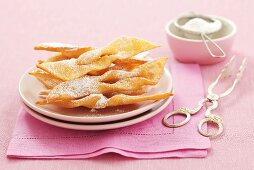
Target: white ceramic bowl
[[193, 50]]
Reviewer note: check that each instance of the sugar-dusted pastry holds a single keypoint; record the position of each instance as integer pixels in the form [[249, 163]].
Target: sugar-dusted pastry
[[122, 64], [99, 77], [54, 58], [45, 78], [94, 60], [111, 81], [69, 69], [122, 47], [151, 70], [85, 86], [119, 68], [65, 51], [99, 101], [61, 47]]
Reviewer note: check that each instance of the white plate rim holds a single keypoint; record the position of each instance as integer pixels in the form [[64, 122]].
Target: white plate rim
[[101, 126], [92, 119]]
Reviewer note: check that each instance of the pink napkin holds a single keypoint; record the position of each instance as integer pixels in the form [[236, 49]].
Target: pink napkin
[[149, 139]]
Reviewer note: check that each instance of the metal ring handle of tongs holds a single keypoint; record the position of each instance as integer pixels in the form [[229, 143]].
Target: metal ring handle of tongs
[[213, 118], [209, 134], [181, 111]]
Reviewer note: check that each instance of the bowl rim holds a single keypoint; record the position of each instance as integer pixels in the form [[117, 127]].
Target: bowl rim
[[231, 23]]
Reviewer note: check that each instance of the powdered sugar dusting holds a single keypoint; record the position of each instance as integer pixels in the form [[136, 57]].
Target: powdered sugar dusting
[[57, 45], [76, 88], [202, 26], [102, 102], [90, 56]]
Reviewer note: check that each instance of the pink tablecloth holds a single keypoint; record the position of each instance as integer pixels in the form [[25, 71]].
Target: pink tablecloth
[[25, 23]]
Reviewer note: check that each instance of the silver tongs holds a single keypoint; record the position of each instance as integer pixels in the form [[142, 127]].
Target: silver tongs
[[212, 99]]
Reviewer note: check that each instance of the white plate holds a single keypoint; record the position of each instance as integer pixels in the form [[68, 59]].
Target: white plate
[[99, 126], [29, 88]]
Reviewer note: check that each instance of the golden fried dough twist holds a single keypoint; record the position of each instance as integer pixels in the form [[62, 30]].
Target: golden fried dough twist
[[98, 77], [65, 51], [114, 81], [99, 101], [122, 47]]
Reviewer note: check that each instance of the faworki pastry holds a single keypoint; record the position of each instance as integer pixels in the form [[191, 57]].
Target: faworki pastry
[[98, 77]]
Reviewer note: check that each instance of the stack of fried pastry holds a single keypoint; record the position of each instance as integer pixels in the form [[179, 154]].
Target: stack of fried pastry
[[98, 77]]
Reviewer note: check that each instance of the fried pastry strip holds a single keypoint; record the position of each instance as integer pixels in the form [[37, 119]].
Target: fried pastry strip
[[60, 47], [151, 70], [69, 69], [54, 58], [45, 78], [96, 59], [146, 74], [99, 101], [65, 51], [85, 86], [124, 64], [122, 47]]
